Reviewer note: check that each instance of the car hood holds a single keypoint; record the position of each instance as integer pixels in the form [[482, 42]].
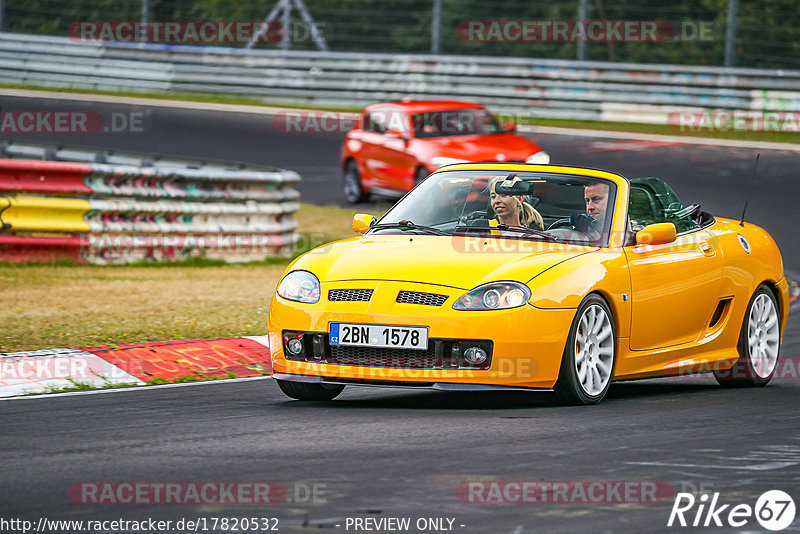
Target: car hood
[[481, 147], [460, 262]]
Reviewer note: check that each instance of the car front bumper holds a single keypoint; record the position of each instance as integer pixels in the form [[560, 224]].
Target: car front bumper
[[528, 342]]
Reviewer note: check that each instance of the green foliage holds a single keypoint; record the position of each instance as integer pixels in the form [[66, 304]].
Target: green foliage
[[768, 31], [78, 385], [156, 380], [188, 378]]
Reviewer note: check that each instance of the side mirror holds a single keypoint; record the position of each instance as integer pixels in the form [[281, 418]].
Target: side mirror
[[509, 127], [396, 134], [363, 222], [656, 234]]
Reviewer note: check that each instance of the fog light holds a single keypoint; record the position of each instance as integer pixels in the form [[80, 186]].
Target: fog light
[[295, 346], [475, 355]]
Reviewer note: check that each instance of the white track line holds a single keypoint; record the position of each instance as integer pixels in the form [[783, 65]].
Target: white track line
[[141, 101], [658, 137], [268, 110], [134, 388]]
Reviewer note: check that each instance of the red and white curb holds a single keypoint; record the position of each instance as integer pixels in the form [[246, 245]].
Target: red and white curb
[[43, 371], [40, 371]]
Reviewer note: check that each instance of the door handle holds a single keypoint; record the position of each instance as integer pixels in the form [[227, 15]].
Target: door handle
[[706, 249]]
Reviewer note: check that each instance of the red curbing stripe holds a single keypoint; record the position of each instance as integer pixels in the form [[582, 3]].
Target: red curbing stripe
[[190, 358]]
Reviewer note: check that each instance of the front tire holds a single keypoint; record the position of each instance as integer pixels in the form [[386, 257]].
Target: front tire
[[309, 392], [587, 365], [759, 344], [352, 188]]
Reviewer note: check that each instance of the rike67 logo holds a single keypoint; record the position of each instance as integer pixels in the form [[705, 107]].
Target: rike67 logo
[[774, 510]]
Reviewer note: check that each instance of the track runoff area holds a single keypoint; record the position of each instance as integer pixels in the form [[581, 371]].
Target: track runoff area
[[698, 468]]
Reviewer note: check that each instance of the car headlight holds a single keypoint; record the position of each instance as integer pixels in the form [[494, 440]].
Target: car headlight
[[540, 158], [301, 286], [441, 161], [494, 296]]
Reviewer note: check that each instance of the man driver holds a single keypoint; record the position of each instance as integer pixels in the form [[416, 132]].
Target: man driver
[[596, 198]]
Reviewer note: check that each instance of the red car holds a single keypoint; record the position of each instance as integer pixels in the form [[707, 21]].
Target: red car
[[396, 145]]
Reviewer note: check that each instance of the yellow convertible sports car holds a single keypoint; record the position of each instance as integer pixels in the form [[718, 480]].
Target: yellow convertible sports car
[[540, 277]]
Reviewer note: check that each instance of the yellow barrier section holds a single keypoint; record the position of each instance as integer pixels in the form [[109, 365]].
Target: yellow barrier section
[[45, 214]]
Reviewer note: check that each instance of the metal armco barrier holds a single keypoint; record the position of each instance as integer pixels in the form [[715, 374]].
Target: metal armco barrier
[[117, 212], [42, 214], [536, 87]]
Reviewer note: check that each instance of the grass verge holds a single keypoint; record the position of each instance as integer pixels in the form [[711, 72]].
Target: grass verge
[[182, 97], [66, 305], [661, 129]]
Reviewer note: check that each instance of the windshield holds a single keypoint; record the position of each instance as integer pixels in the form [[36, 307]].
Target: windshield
[[454, 122], [507, 204]]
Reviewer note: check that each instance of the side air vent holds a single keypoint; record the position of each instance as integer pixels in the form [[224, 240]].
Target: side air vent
[[425, 299], [362, 295], [719, 312]]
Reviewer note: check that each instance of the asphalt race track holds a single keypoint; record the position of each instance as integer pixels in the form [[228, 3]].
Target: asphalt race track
[[716, 176], [378, 454]]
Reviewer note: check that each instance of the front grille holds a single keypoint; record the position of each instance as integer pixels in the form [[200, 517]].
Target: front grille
[[440, 354], [384, 357], [350, 295], [425, 299]]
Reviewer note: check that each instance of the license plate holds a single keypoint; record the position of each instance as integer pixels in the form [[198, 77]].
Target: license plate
[[381, 336]]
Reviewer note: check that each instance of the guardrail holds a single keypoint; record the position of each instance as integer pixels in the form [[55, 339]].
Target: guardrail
[[69, 206], [537, 87]]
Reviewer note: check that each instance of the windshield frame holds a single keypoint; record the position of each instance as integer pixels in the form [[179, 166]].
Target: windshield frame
[[573, 176], [470, 110]]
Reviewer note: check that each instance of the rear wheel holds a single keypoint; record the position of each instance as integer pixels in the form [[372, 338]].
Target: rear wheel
[[588, 362], [310, 392], [351, 184], [759, 344]]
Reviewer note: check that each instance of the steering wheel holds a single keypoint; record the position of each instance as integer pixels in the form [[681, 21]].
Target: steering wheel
[[580, 222], [478, 214], [561, 223]]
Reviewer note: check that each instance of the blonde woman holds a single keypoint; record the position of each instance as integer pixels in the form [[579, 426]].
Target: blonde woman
[[512, 209]]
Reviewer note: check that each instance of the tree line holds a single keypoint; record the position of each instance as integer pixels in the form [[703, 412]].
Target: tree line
[[692, 32]]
